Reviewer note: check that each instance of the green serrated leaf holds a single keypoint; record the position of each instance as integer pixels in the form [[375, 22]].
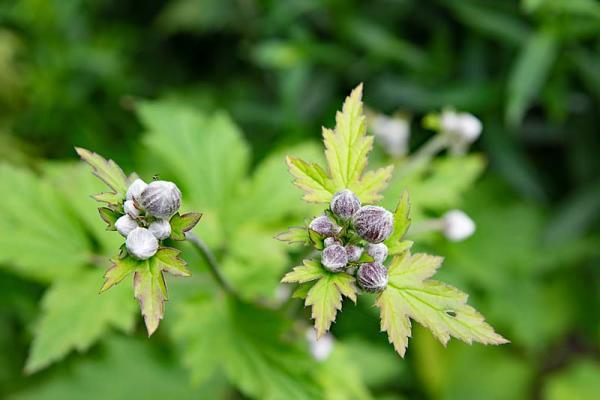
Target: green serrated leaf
[[309, 271], [439, 307], [401, 224], [74, 317], [151, 292], [372, 183], [295, 234], [119, 270], [311, 178], [167, 259], [110, 217], [109, 172], [180, 224]]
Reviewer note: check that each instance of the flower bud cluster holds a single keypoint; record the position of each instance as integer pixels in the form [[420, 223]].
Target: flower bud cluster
[[352, 236], [147, 211]]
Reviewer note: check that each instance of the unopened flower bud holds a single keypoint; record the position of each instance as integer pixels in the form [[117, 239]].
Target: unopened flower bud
[[320, 348], [457, 225], [130, 209], [354, 252], [463, 126], [344, 204], [125, 225], [331, 241], [323, 225], [136, 189], [372, 277], [161, 199], [373, 223], [378, 251], [334, 258], [161, 229], [141, 244]]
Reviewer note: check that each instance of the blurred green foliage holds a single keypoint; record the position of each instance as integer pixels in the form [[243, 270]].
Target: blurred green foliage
[[79, 73]]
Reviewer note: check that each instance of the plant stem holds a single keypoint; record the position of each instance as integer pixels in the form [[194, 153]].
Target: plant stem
[[213, 266], [424, 154]]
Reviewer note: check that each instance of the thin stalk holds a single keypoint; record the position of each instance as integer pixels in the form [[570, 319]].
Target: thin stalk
[[212, 263], [424, 154]]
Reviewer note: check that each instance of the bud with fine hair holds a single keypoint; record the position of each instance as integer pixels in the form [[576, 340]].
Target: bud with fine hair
[[323, 225], [457, 225], [135, 190], [354, 252], [125, 224], [130, 209], [161, 229], [334, 258], [373, 223], [378, 251], [372, 277], [161, 199], [344, 204], [141, 244], [331, 241]]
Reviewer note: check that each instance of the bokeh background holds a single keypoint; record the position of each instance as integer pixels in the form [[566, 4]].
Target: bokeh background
[[117, 76]]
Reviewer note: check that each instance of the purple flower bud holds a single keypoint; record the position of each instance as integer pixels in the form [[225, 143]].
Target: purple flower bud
[[373, 223], [334, 258], [354, 252], [372, 277], [378, 251], [323, 225], [344, 204], [161, 199], [331, 241]]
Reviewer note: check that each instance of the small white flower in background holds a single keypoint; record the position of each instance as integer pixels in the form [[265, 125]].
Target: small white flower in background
[[320, 348], [282, 293], [392, 133], [135, 190], [141, 244], [130, 209], [457, 225], [161, 229], [125, 224], [464, 127]]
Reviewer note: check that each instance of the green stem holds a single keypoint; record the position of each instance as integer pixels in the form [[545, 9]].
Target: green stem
[[212, 263], [425, 153]]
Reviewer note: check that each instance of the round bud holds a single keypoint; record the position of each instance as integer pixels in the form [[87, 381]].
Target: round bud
[[161, 229], [344, 204], [378, 251], [463, 126], [130, 209], [372, 277], [323, 225], [373, 223], [141, 244], [354, 252], [125, 225], [334, 258], [471, 127], [331, 241], [161, 199], [457, 225], [135, 190]]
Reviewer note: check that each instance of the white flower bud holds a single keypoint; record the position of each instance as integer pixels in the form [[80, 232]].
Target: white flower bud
[[320, 348], [378, 251], [125, 225], [344, 204], [334, 258], [462, 126], [323, 225], [372, 277], [392, 133], [161, 199], [141, 244], [331, 241], [457, 225], [130, 209], [136, 189], [354, 252], [373, 223], [161, 229]]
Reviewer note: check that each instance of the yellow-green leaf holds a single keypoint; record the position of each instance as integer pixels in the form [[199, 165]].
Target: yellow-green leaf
[[108, 171], [311, 178]]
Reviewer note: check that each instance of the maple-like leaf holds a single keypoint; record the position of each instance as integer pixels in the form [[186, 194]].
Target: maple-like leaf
[[110, 173], [402, 221]]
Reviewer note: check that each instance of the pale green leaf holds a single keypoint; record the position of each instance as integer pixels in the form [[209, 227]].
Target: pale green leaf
[[119, 270], [151, 292], [310, 270], [295, 234], [75, 316], [311, 178], [40, 237], [108, 171], [401, 224], [439, 307], [180, 224], [167, 259], [372, 183]]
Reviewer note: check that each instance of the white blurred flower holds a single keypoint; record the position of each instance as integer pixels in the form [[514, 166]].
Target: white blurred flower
[[464, 127], [321, 348], [392, 133], [457, 225]]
